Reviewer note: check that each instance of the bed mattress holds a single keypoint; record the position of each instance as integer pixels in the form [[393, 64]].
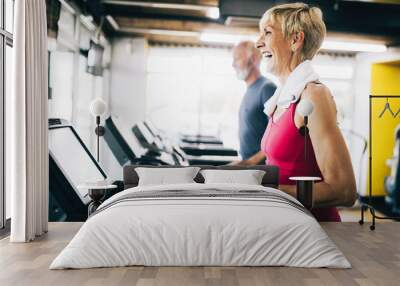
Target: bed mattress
[[201, 225]]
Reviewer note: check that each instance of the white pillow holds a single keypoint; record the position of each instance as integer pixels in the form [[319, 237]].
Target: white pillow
[[248, 177], [163, 176]]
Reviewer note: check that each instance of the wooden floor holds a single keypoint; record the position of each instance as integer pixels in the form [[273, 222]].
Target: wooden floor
[[374, 255]]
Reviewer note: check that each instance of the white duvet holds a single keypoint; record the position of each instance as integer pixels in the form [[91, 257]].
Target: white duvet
[[200, 231]]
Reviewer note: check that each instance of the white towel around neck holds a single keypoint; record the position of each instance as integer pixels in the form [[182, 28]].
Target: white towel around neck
[[290, 92]]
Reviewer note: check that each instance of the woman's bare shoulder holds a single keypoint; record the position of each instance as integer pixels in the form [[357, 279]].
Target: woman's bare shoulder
[[324, 105], [320, 96], [317, 92]]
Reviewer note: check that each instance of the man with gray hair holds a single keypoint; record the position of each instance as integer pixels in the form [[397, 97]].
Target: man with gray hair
[[252, 120]]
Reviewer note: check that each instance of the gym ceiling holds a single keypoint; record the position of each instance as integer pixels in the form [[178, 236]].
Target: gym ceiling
[[182, 21]]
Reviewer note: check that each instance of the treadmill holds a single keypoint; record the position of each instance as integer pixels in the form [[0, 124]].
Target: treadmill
[[70, 164], [192, 159], [196, 147], [207, 149], [133, 149], [200, 139]]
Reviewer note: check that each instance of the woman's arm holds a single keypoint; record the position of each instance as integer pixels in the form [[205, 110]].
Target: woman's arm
[[339, 187]]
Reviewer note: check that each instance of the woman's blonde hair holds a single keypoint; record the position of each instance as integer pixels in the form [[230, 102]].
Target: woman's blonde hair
[[299, 17]]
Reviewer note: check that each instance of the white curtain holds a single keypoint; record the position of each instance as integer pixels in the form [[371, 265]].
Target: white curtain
[[27, 123]]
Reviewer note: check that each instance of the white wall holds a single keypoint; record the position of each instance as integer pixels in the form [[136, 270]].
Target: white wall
[[60, 80], [337, 73], [73, 88], [128, 79], [193, 90]]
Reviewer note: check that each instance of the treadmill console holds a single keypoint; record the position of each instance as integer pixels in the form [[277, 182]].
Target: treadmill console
[[155, 147], [131, 146], [70, 164]]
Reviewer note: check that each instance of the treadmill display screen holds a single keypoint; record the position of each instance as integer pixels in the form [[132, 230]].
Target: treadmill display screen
[[123, 144], [72, 157]]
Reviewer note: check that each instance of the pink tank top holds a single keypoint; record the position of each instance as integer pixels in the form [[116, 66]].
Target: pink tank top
[[283, 146]]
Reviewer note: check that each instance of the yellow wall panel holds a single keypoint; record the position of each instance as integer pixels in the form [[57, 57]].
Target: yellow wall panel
[[385, 81], [385, 78], [382, 141]]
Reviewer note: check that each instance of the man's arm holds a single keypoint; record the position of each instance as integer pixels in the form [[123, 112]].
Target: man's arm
[[256, 159]]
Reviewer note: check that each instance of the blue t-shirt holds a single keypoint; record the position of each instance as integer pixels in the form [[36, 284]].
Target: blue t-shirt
[[252, 119]]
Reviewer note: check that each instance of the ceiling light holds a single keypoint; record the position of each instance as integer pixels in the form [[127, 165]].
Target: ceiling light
[[213, 12], [226, 38], [175, 33], [112, 22], [67, 6], [160, 5], [353, 46], [87, 21]]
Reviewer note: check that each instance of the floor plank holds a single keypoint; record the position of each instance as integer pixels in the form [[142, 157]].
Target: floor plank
[[375, 257]]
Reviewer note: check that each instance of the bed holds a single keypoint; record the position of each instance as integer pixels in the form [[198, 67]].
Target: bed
[[198, 224]]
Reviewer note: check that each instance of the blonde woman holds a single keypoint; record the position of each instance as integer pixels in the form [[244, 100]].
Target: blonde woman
[[290, 36]]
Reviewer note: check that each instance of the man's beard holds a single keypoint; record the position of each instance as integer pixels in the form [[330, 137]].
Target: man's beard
[[242, 74]]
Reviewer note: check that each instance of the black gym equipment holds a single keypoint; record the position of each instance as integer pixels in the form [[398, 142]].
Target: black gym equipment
[[370, 203], [197, 157], [392, 182], [70, 164], [130, 148]]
